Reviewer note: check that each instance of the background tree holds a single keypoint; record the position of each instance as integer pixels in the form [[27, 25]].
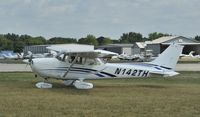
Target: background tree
[[104, 40], [19, 46], [37, 41], [25, 39], [197, 38], [5, 44], [115, 41], [12, 40], [155, 35], [60, 40], [90, 39], [12, 36], [131, 37], [17, 42]]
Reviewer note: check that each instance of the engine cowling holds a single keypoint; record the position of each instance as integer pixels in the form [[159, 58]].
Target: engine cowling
[[82, 85], [68, 82]]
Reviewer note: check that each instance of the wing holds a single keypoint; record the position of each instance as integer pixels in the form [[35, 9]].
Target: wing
[[71, 48], [81, 50], [75, 50]]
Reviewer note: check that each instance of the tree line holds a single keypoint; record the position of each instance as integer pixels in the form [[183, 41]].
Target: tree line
[[17, 42]]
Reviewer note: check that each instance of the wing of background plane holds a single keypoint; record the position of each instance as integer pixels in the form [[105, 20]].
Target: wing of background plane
[[105, 53]]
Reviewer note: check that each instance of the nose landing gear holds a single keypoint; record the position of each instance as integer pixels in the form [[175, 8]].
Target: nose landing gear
[[44, 84]]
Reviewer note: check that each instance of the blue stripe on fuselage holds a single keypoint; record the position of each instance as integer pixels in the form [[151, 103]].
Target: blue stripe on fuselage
[[86, 71]]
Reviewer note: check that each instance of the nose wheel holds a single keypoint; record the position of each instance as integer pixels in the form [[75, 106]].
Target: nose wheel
[[44, 84]]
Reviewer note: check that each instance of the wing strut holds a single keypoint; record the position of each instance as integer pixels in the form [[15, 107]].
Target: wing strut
[[70, 66]]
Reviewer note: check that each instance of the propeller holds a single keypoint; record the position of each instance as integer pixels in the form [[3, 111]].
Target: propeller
[[29, 60]]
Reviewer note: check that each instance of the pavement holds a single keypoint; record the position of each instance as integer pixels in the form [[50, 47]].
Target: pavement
[[26, 68], [188, 67], [14, 68]]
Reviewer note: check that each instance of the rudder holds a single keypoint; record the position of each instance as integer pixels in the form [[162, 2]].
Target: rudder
[[169, 57]]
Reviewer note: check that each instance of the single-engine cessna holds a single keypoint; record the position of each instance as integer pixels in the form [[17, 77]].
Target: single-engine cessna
[[76, 63]]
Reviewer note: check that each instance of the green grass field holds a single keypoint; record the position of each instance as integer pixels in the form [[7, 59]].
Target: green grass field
[[149, 97]]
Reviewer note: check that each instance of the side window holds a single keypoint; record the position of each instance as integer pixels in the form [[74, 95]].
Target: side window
[[71, 59], [90, 61], [61, 57], [79, 60]]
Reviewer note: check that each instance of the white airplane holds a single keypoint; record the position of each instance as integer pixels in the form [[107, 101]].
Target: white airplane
[[50, 54], [12, 56], [194, 56], [125, 56], [78, 63], [187, 55], [190, 55]]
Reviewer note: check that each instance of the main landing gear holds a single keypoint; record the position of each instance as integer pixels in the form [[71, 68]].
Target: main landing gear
[[79, 84]]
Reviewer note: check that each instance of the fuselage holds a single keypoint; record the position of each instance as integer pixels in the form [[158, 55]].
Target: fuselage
[[54, 68]]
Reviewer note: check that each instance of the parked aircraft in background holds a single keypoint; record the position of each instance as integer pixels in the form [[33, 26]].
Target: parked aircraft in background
[[11, 55], [30, 54], [187, 55], [125, 56], [76, 63], [136, 57], [191, 55], [50, 54]]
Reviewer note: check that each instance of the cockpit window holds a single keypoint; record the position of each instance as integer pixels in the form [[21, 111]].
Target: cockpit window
[[70, 59], [60, 57], [79, 60], [90, 61]]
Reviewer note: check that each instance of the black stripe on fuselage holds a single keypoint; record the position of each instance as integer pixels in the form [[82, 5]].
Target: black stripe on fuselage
[[161, 66], [111, 75], [166, 67], [78, 68], [86, 70]]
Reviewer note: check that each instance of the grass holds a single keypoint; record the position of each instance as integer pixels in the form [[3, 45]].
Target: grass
[[157, 97]]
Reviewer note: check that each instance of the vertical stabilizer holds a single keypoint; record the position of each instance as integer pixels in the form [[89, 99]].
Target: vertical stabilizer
[[169, 57]]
